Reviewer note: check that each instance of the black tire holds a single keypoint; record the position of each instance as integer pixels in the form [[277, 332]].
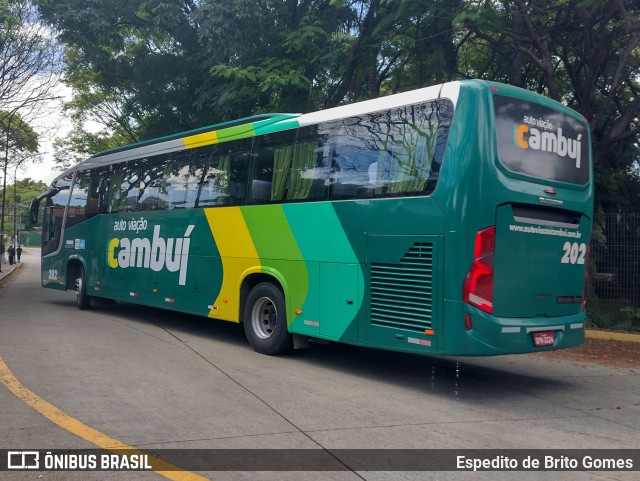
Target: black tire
[[83, 300], [265, 320]]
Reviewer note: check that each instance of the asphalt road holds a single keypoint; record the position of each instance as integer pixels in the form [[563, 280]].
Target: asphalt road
[[153, 379]]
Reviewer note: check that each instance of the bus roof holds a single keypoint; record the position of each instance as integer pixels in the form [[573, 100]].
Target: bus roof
[[200, 130], [261, 124]]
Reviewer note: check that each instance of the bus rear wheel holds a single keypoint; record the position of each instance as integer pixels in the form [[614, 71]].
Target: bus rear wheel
[[83, 300], [265, 320]]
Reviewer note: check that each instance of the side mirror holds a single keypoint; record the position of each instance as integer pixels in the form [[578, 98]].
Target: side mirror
[[34, 209], [35, 205]]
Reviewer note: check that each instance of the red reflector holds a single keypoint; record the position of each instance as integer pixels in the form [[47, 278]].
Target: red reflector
[[477, 288], [467, 322]]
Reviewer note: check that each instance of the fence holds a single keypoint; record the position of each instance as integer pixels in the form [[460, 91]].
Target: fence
[[614, 294], [30, 238]]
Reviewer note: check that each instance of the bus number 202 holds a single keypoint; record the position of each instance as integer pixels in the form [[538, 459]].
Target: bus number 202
[[574, 253]]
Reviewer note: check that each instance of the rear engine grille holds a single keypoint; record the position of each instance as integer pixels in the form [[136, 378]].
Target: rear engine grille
[[401, 294]]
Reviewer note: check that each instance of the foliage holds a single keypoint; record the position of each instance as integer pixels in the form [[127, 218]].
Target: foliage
[[80, 144], [29, 58], [16, 134], [584, 53], [17, 138], [145, 68], [28, 68], [25, 191]]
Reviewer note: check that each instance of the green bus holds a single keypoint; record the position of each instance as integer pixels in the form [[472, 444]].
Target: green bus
[[453, 219]]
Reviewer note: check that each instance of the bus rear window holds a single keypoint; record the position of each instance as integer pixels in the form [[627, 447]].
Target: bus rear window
[[538, 141]]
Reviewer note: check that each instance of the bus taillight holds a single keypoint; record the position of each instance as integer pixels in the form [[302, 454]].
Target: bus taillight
[[477, 289]]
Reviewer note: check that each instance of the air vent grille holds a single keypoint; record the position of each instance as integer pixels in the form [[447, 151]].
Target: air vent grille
[[401, 294]]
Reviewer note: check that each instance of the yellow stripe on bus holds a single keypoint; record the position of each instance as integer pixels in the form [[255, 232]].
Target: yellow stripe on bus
[[238, 255], [199, 140], [60, 418]]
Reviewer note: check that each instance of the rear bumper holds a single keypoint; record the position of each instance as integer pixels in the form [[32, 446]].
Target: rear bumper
[[491, 336]]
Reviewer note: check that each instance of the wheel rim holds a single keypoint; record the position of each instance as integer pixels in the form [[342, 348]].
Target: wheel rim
[[79, 287], [264, 318]]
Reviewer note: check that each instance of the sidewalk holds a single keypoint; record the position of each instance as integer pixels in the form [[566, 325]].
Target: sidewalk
[[612, 336], [7, 270]]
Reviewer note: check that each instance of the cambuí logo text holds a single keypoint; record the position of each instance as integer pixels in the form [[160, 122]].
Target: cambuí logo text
[[539, 134], [157, 253]]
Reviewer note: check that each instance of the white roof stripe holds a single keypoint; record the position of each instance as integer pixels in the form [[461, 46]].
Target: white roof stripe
[[449, 90], [134, 153]]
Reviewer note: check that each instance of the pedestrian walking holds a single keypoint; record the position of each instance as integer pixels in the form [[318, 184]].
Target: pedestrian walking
[[12, 254], [19, 252]]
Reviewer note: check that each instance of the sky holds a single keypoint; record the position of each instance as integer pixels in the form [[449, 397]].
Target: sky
[[45, 171], [55, 124]]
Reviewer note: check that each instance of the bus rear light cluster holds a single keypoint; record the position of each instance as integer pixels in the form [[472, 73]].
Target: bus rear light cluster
[[477, 288]]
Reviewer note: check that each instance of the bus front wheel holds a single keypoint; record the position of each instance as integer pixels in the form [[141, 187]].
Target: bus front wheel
[[83, 300], [265, 320]]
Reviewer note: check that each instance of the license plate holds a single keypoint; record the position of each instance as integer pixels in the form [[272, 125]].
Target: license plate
[[543, 338]]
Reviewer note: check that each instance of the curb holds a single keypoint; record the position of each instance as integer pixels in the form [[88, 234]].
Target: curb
[[612, 336], [7, 270]]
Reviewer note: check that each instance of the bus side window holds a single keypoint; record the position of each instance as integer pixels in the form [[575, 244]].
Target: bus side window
[[197, 175], [354, 150], [176, 178], [97, 196], [238, 180], [212, 171], [270, 172], [153, 187], [389, 153], [80, 203], [239, 152], [412, 136], [309, 178], [130, 186]]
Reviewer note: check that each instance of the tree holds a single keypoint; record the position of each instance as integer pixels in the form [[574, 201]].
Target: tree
[[25, 191], [30, 60], [271, 55], [28, 67], [217, 60], [581, 52], [133, 65], [18, 139], [17, 135]]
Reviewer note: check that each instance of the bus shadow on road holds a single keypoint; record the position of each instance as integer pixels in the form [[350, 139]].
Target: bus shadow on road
[[461, 378], [452, 377], [176, 323]]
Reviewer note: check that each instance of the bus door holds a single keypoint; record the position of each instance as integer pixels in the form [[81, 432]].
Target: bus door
[[56, 200], [52, 224]]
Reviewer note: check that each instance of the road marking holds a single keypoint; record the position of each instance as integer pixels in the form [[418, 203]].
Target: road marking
[[87, 433]]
